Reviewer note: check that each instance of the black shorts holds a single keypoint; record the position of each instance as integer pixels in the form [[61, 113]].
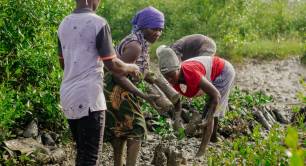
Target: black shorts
[[88, 134]]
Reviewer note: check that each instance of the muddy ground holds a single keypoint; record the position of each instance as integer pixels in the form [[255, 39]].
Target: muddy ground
[[279, 78]]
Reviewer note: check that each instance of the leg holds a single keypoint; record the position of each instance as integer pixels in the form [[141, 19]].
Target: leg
[[133, 147], [90, 137], [118, 147], [215, 129], [73, 125], [207, 131]]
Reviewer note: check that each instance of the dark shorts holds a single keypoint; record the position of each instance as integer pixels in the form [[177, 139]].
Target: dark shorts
[[88, 135]]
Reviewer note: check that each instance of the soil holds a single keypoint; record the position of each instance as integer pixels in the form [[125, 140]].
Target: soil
[[278, 78]]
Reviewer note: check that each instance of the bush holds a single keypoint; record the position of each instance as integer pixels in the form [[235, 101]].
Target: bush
[[29, 72], [232, 23], [30, 75]]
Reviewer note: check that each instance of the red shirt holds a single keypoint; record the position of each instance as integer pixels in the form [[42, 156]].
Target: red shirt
[[193, 72]]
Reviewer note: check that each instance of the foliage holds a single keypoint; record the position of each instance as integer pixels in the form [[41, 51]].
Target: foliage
[[29, 71], [296, 153], [259, 148], [240, 27], [30, 75], [255, 150]]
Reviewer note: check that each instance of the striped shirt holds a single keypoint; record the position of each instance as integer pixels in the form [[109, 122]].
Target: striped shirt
[[143, 60]]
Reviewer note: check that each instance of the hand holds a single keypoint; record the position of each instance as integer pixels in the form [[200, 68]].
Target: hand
[[150, 77], [177, 124], [151, 98], [133, 70]]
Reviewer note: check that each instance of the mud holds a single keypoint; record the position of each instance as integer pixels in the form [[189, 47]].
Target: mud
[[278, 78]]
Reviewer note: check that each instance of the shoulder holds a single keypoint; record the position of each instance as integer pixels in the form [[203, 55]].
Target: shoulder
[[64, 21], [132, 50], [133, 45], [129, 41], [98, 21]]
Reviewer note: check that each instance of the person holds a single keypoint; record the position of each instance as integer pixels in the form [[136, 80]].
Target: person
[[194, 45], [197, 76], [85, 45], [125, 124]]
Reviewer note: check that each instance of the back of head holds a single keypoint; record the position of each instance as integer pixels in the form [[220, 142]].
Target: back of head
[[168, 60]]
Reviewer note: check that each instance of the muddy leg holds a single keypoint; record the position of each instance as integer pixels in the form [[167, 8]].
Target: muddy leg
[[133, 147], [118, 146], [207, 132], [214, 134]]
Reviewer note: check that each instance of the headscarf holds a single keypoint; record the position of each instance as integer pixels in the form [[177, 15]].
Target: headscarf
[[168, 60], [148, 17]]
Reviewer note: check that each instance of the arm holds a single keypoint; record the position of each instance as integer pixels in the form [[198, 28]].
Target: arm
[[115, 65], [129, 55], [177, 116], [107, 54], [214, 98], [126, 84]]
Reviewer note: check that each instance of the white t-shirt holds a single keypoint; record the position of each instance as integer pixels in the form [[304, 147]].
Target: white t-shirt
[[84, 39]]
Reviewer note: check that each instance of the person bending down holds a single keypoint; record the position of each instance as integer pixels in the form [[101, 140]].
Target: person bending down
[[197, 76], [194, 45]]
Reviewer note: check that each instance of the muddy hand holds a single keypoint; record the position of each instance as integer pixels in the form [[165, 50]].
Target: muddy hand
[[207, 132], [204, 122], [134, 71], [150, 77], [177, 124], [151, 98]]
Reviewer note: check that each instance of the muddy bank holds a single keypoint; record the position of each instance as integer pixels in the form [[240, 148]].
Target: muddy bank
[[278, 78]]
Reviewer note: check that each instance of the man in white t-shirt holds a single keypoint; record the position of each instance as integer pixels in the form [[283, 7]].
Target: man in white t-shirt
[[85, 45]]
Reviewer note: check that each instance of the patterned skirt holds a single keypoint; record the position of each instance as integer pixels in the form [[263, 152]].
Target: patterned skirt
[[124, 118]]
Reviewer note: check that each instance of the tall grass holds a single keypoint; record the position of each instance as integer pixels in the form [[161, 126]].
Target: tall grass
[[30, 75], [232, 23]]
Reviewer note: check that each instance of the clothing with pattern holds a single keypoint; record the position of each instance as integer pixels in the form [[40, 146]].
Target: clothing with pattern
[[143, 60], [124, 118]]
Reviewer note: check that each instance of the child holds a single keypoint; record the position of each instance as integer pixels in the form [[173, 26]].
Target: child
[[85, 45]]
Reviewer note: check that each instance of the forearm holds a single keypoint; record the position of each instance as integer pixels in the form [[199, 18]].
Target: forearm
[[118, 66], [214, 97], [212, 107], [126, 84], [178, 109], [207, 132]]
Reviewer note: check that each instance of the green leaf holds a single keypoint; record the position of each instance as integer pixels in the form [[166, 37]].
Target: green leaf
[[291, 139], [297, 158]]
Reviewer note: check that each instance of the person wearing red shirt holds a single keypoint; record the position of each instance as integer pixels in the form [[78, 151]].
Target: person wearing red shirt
[[195, 77]]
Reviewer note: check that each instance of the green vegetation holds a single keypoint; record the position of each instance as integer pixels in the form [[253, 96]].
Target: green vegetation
[[30, 75], [269, 29], [29, 72]]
